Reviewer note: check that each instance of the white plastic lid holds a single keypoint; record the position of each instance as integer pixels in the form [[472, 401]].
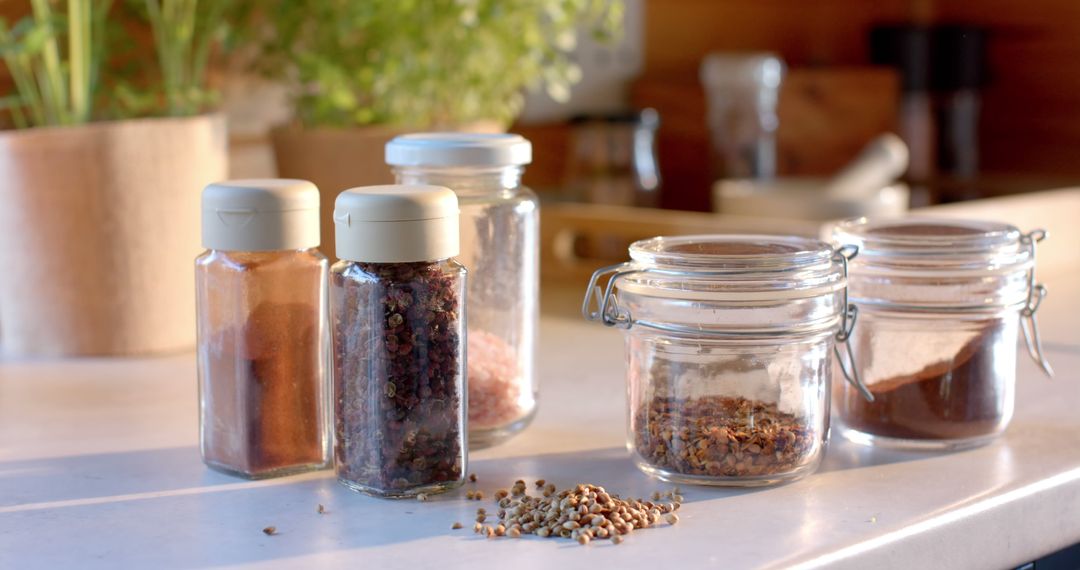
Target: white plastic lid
[[459, 149], [396, 223], [260, 215]]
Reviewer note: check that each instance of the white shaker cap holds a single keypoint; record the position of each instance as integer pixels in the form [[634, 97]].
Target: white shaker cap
[[396, 223], [260, 215], [459, 149]]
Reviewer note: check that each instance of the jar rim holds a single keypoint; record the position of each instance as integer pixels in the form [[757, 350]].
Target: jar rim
[[935, 245], [929, 234], [736, 253]]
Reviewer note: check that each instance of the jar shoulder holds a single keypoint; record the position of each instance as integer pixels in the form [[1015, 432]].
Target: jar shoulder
[[288, 261], [387, 273]]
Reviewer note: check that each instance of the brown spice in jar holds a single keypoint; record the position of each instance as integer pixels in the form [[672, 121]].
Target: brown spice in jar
[[960, 398], [398, 376], [719, 436], [265, 387]]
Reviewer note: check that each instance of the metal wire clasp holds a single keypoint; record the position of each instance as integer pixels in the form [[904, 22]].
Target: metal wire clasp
[[843, 255], [607, 310], [1036, 294]]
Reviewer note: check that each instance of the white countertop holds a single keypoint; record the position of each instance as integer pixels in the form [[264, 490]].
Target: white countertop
[[99, 468]]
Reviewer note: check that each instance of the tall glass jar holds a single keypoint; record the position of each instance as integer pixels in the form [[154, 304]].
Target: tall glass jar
[[730, 344], [941, 302], [262, 332], [399, 341], [499, 245]]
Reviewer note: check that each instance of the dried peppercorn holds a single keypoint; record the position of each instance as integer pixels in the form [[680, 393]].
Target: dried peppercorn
[[399, 341], [398, 376]]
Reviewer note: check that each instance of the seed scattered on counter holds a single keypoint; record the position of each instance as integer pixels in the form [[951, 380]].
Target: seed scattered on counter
[[479, 496], [656, 495], [677, 498], [321, 509], [501, 493], [470, 495], [481, 518], [481, 511], [617, 539], [455, 526], [421, 497], [540, 483], [478, 528], [270, 530], [583, 513], [472, 477]]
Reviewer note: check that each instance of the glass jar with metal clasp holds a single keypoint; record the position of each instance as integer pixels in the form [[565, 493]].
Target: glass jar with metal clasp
[[942, 301], [730, 348]]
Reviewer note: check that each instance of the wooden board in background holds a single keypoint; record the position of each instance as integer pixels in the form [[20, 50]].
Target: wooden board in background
[[826, 116]]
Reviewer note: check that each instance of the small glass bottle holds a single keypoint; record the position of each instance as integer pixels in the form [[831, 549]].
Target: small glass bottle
[[730, 346], [500, 246], [941, 303], [399, 341], [263, 342]]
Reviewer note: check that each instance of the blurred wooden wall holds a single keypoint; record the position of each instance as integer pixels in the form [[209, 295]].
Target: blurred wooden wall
[[1031, 109], [1029, 124]]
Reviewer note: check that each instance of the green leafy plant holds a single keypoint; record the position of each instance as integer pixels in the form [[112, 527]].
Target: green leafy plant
[[425, 63], [58, 58], [184, 32], [55, 85]]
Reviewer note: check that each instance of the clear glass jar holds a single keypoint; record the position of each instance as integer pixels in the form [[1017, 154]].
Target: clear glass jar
[[940, 303], [499, 231], [262, 331], [730, 342], [399, 342]]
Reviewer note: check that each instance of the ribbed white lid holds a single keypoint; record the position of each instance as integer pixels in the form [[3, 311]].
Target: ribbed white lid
[[396, 223], [260, 215], [459, 149]]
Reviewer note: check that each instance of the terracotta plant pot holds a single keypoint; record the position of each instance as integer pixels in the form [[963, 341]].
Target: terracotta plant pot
[[338, 159], [99, 227]]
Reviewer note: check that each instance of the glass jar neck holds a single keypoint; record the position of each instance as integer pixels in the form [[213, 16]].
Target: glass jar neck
[[464, 181]]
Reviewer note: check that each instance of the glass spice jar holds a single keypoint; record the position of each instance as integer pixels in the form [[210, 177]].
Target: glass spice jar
[[263, 340], [941, 303], [730, 343], [399, 341], [499, 244]]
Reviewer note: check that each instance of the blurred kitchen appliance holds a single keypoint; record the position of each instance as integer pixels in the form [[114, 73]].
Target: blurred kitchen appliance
[[959, 73], [906, 47], [613, 159], [742, 92]]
